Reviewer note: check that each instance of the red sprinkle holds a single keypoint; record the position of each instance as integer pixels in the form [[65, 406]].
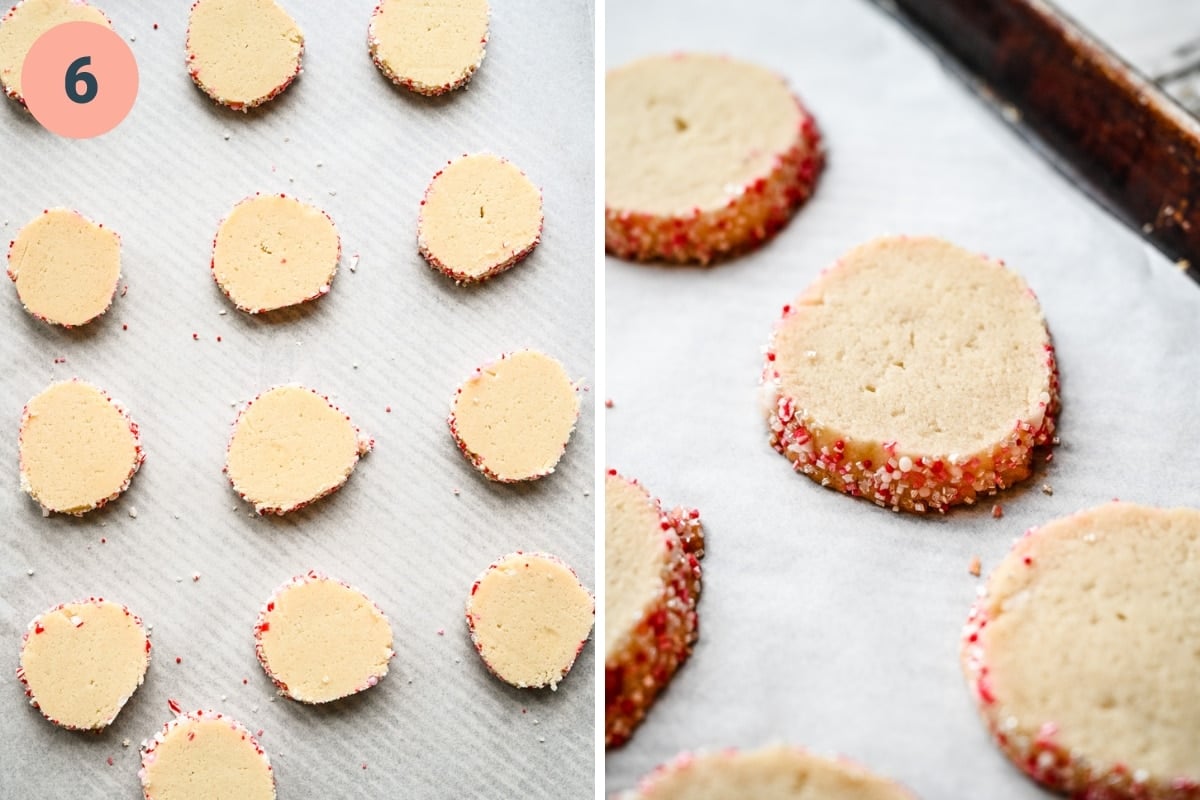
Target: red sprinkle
[[997, 511], [388, 409], [124, 326], [608, 403], [110, 761], [195, 337], [171, 704]]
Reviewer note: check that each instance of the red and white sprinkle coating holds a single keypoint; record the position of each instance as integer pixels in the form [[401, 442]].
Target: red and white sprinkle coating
[[412, 84], [9, 91], [150, 746], [236, 105]]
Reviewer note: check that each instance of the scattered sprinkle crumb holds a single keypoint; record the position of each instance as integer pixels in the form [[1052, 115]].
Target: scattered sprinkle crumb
[[457, 491], [997, 511], [353, 262], [218, 338], [133, 511], [223, 698], [245, 681], [364, 765], [179, 579], [132, 37], [320, 164], [332, 193], [354, 365], [227, 136], [124, 743], [1183, 264], [195, 337], [388, 409], [586, 493], [222, 312], [1047, 489], [542, 739], [975, 567], [175, 515], [457, 660], [60, 360], [110, 761], [124, 326], [178, 660], [156, 26], [195, 577], [254, 710], [124, 290], [535, 722], [103, 540], [441, 631], [608, 403], [29, 572], [259, 733]]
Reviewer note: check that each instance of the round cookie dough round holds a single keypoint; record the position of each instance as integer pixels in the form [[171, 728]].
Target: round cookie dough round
[[320, 640], [25, 23], [242, 53], [205, 756], [291, 447], [1082, 653], [529, 618], [651, 587], [773, 773], [78, 449], [480, 216], [81, 662], [274, 251], [912, 373], [705, 157], [514, 417], [429, 48], [65, 267]]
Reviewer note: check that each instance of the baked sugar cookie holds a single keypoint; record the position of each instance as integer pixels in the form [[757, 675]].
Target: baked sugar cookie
[[429, 48], [651, 586], [704, 157], [912, 373], [529, 618], [80, 662], [320, 640], [242, 53], [514, 417], [273, 251], [25, 23], [205, 756], [78, 449], [65, 267], [1082, 653], [291, 447], [480, 216]]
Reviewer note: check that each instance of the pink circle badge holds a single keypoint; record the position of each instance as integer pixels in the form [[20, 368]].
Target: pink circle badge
[[79, 79]]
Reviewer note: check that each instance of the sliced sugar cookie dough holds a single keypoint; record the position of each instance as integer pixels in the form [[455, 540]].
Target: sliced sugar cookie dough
[[65, 267], [529, 617], [773, 773], [274, 251], [319, 639], [25, 23], [705, 156], [242, 53], [428, 48], [1081, 654], [912, 373], [480, 216], [205, 756], [513, 418], [291, 447], [81, 662], [78, 449], [651, 587]]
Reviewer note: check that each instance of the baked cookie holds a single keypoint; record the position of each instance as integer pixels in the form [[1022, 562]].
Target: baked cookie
[[65, 267], [429, 48], [651, 585], [1082, 653], [81, 662], [513, 418], [77, 448], [291, 447], [25, 23], [912, 373], [480, 216], [319, 639], [704, 156], [205, 756], [242, 53], [529, 618], [273, 251]]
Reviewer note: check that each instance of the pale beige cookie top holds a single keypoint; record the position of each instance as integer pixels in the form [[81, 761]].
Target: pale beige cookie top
[[320, 640], [242, 53], [25, 23], [205, 756], [529, 618], [65, 267], [430, 48], [634, 559], [513, 417], [274, 251], [290, 447], [80, 662], [77, 448]]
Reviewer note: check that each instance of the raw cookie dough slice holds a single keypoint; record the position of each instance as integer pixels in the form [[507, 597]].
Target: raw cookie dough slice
[[25, 23], [773, 773], [78, 449], [291, 447], [205, 756], [242, 53], [80, 662], [651, 585], [480, 216], [514, 417], [65, 267], [1082, 653], [274, 251], [319, 639], [529, 618], [429, 48], [704, 157], [912, 373]]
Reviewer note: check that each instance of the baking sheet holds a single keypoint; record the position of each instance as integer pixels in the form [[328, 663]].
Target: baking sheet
[[391, 334], [824, 621]]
